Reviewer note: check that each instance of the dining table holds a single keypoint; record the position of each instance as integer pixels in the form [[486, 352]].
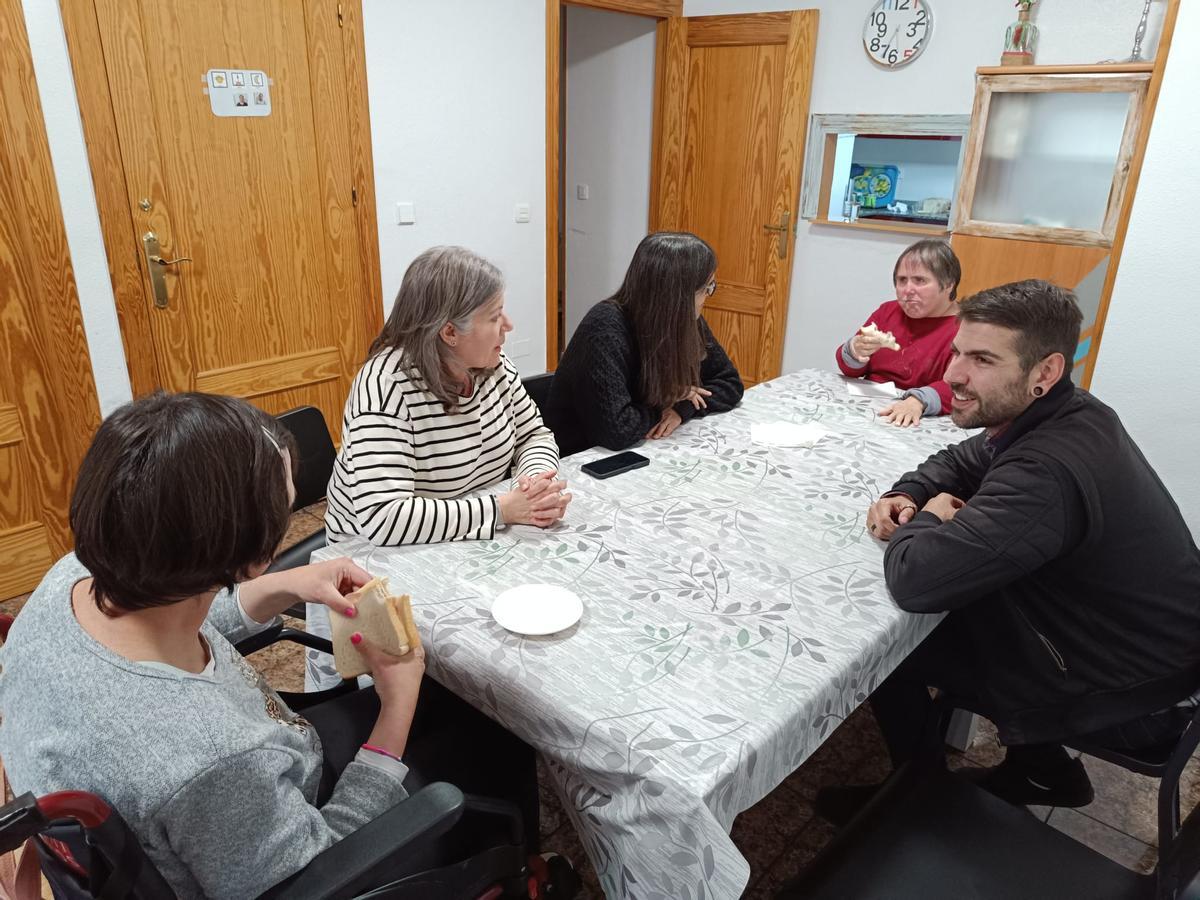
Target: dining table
[[734, 612]]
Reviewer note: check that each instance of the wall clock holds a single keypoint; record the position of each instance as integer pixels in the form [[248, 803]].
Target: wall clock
[[897, 31]]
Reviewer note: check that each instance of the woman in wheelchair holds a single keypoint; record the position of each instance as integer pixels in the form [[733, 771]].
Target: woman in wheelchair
[[120, 678]]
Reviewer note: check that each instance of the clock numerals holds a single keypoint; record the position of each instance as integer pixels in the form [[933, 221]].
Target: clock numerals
[[897, 30]]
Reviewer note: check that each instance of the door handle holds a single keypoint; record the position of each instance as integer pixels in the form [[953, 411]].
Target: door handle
[[156, 266], [781, 231]]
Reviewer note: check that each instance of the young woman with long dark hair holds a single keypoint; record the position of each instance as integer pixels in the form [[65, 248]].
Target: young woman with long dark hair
[[644, 361]]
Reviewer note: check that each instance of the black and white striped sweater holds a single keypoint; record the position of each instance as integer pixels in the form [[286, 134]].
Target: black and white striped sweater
[[406, 462]]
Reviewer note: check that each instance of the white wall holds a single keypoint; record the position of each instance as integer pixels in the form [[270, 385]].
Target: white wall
[[610, 117], [1140, 372], [64, 130], [458, 128]]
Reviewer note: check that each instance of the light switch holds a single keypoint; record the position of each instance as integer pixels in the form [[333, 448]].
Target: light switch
[[581, 192], [406, 214], [522, 214]]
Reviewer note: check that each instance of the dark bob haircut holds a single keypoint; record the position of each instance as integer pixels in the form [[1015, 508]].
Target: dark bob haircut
[[179, 494], [936, 255], [1045, 317]]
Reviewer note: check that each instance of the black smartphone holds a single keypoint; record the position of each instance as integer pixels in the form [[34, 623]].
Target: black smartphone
[[615, 465]]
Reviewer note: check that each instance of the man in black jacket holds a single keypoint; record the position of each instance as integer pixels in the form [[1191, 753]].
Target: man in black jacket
[[1070, 581]]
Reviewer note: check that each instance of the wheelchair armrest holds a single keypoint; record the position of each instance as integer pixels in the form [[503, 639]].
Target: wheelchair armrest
[[425, 815], [20, 820], [280, 632], [298, 554]]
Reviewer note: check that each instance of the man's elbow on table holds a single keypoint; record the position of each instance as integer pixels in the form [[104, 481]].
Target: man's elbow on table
[[921, 587]]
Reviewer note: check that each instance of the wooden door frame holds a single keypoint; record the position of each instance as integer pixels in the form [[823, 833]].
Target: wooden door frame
[[60, 412], [556, 136], [82, 26]]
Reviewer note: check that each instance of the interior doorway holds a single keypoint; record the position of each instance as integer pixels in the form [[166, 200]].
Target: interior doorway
[[593, 54], [608, 79]]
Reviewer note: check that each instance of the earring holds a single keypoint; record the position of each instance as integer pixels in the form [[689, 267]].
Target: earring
[[1038, 391], [454, 343]]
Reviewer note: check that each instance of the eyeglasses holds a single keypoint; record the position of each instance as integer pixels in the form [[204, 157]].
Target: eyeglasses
[[710, 287]]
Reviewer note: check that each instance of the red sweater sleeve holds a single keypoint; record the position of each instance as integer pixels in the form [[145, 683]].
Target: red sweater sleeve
[[858, 372]]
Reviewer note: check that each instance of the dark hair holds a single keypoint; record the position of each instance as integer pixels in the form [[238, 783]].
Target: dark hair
[[178, 494], [658, 297], [1045, 317], [442, 285], [939, 258]]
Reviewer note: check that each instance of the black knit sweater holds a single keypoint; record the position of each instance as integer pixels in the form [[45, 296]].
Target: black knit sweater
[[595, 396]]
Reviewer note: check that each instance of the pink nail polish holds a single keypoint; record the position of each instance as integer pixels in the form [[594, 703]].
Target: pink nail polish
[[351, 611], [356, 638]]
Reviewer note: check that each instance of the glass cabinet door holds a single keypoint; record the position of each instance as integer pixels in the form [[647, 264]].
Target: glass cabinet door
[[1048, 156]]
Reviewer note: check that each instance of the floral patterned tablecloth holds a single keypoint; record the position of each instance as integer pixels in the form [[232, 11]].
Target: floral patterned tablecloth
[[734, 613]]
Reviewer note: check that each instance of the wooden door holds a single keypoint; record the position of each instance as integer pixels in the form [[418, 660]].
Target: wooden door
[[48, 407], [730, 123], [281, 295]]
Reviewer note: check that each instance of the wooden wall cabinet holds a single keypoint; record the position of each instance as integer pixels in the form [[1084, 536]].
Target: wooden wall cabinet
[[1047, 182], [1048, 156]]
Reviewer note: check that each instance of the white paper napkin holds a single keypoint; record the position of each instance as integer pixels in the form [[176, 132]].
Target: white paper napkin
[[786, 434], [872, 390]]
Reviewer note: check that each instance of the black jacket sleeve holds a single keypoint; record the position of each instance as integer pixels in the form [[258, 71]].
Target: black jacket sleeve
[[617, 419], [717, 374], [957, 470], [1026, 514]]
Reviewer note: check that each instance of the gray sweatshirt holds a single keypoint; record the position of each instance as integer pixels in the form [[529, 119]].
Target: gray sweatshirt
[[214, 773]]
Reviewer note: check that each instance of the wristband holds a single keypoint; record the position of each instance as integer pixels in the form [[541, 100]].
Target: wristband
[[381, 752]]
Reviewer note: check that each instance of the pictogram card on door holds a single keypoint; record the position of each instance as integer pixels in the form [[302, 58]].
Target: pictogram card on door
[[239, 92]]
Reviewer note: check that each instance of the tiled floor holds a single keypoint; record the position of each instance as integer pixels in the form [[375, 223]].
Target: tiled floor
[[780, 834]]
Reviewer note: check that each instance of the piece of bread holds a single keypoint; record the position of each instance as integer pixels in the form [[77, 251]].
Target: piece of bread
[[886, 338], [384, 620]]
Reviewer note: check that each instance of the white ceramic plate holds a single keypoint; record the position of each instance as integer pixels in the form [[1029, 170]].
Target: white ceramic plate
[[537, 609]]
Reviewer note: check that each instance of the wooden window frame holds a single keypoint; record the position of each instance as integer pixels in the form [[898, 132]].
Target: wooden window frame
[[823, 129], [1136, 84]]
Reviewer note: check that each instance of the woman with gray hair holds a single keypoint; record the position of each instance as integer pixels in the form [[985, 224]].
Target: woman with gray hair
[[921, 324], [438, 412]]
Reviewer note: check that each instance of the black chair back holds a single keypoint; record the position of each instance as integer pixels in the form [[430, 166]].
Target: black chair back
[[315, 450], [538, 389]]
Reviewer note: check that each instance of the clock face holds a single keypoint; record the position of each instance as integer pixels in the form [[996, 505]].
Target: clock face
[[897, 31]]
